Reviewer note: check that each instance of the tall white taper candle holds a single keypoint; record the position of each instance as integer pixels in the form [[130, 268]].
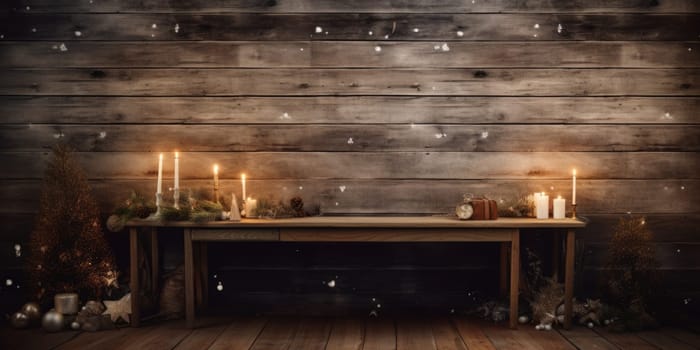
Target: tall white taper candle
[[243, 184], [160, 174], [573, 190]]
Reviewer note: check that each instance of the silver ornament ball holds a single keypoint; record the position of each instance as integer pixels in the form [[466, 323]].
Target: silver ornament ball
[[32, 311], [52, 321], [19, 320]]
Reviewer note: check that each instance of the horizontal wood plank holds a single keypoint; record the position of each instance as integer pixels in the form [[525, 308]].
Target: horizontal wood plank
[[664, 228], [354, 138], [281, 82], [349, 54], [671, 256], [357, 6], [371, 165], [160, 26], [407, 196], [349, 110]]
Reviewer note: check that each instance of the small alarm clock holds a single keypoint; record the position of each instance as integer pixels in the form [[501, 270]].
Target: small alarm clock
[[464, 211]]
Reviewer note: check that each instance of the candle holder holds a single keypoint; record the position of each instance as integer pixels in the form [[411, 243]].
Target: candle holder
[[159, 201], [216, 194], [176, 198], [573, 211]]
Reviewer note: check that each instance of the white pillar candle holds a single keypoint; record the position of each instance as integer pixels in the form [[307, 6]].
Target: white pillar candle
[[559, 207], [160, 174], [543, 206], [573, 189], [243, 185]]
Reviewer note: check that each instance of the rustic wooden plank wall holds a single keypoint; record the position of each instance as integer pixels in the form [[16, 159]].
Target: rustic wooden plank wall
[[405, 105]]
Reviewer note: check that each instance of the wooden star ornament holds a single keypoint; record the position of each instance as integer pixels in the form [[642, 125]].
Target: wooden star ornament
[[117, 309]]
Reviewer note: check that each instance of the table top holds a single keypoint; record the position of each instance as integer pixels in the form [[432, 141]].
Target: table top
[[371, 221]]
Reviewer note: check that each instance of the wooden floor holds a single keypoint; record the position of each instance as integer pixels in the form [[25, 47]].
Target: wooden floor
[[347, 333]]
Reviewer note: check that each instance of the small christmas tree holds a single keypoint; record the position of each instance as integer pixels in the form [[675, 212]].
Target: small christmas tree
[[68, 250], [631, 270]]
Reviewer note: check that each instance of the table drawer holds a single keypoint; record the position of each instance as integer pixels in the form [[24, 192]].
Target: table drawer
[[236, 234]]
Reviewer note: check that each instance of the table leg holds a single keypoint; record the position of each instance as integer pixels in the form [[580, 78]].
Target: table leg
[[189, 278], [503, 278], [204, 265], [134, 276], [569, 279], [197, 271], [514, 277], [556, 255], [155, 266]]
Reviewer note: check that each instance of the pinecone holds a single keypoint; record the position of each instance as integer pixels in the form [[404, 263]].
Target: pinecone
[[298, 206], [142, 211]]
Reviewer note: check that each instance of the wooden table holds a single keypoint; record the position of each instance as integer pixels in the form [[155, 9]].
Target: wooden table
[[352, 229]]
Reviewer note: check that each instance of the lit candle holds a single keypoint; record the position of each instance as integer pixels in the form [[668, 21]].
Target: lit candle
[[542, 206], [573, 191], [160, 174], [243, 184], [177, 170], [559, 207], [216, 183]]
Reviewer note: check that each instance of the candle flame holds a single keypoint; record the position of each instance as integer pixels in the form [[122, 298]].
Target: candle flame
[[177, 154], [558, 196], [243, 177], [161, 156], [216, 168], [574, 172]]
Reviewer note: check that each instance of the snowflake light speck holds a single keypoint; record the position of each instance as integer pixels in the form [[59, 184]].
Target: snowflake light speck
[[177, 28], [440, 135], [220, 287], [416, 30], [460, 33], [378, 48], [351, 141], [18, 250], [33, 30], [331, 283], [560, 28], [342, 188], [284, 116], [63, 47], [319, 29], [445, 47], [103, 134], [370, 33], [154, 26], [8, 282], [78, 33], [536, 26], [484, 134]]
